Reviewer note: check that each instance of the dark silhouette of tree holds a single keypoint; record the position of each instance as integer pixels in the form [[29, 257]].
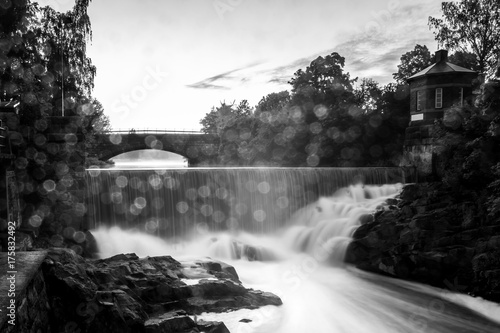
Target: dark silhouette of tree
[[413, 62], [465, 59], [234, 125], [323, 82], [273, 102], [43, 61], [368, 95], [420, 58], [471, 26], [209, 122], [65, 36]]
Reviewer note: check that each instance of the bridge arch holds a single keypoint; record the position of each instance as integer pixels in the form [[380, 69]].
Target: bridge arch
[[194, 146]]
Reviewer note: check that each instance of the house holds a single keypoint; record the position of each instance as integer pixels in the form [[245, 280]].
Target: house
[[438, 87]]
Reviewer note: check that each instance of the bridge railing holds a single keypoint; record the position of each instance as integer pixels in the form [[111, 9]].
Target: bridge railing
[[153, 131]]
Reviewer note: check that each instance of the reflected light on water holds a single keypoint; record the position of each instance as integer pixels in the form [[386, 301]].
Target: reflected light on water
[[149, 159], [148, 164]]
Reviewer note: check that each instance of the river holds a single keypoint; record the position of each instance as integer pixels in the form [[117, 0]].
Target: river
[[285, 232]]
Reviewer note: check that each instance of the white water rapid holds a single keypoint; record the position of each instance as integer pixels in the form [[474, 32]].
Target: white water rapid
[[302, 263]]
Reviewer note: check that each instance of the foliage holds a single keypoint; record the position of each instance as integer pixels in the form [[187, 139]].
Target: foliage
[[329, 119], [209, 122], [420, 58], [217, 119], [43, 64], [234, 125], [274, 102], [368, 95], [465, 59], [64, 36], [413, 62], [325, 121], [323, 82], [493, 202], [469, 142], [471, 26]]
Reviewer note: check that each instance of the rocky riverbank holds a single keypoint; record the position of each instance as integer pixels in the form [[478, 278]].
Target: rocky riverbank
[[434, 235], [125, 293]]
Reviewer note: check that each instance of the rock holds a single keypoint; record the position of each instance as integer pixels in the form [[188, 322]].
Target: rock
[[220, 269], [170, 322], [391, 202], [90, 247], [119, 257], [217, 289], [407, 211], [406, 236], [434, 236], [212, 327], [125, 293], [410, 192], [115, 311], [366, 218], [256, 253]]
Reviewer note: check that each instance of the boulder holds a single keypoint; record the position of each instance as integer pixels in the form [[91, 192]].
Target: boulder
[[125, 293], [219, 269]]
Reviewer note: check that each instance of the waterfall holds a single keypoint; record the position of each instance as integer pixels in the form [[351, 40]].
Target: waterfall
[[170, 203], [293, 246]]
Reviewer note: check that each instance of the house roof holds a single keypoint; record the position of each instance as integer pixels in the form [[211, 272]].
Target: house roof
[[442, 67]]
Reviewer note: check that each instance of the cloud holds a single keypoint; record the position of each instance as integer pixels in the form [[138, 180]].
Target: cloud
[[227, 77], [371, 50], [375, 50], [283, 74], [204, 85]]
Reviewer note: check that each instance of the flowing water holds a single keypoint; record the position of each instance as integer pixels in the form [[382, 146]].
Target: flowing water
[[285, 231]]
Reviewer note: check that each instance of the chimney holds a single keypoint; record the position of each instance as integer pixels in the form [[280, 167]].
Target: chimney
[[441, 55]]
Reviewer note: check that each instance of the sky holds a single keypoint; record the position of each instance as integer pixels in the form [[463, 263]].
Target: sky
[[165, 63]]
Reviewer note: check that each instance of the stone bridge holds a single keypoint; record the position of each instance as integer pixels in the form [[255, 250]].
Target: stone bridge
[[195, 146]]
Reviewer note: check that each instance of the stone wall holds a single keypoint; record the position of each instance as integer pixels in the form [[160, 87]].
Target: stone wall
[[419, 151], [421, 157]]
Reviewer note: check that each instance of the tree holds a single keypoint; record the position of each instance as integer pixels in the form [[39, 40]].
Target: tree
[[388, 125], [413, 62], [465, 59], [368, 95], [217, 119], [323, 82], [324, 122], [65, 36], [273, 102], [234, 127], [471, 26], [325, 104], [43, 60]]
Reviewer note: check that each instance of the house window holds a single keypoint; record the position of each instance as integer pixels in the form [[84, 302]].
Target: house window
[[461, 100], [439, 98], [419, 100]]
